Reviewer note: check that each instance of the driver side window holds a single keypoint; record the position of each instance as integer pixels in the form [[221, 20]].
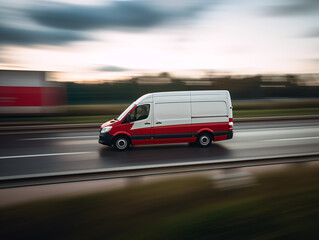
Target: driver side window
[[140, 112]]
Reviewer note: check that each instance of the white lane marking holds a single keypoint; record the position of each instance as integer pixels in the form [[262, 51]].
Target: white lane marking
[[291, 139], [76, 142], [271, 128], [56, 138], [45, 155]]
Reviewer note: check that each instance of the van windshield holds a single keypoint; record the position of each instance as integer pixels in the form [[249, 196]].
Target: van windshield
[[126, 111]]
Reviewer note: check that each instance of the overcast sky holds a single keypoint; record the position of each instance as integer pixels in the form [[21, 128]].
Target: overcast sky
[[113, 39]]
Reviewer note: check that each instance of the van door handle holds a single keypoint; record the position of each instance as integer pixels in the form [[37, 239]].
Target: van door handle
[[158, 122], [147, 123]]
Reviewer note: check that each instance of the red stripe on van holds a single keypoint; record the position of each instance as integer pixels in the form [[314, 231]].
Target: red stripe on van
[[220, 138], [175, 129], [173, 140], [184, 128], [222, 126]]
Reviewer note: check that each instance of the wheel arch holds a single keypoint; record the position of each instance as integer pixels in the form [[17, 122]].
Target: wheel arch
[[121, 133], [206, 130], [117, 134]]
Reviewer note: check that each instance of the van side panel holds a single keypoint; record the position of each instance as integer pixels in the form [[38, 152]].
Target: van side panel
[[209, 108], [210, 112], [141, 142]]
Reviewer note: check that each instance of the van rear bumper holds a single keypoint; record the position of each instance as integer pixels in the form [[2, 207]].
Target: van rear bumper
[[230, 134], [106, 139]]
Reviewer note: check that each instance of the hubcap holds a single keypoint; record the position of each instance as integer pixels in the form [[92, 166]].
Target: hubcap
[[204, 140], [121, 143]]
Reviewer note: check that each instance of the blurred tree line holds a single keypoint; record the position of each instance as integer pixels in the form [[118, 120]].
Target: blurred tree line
[[241, 88]]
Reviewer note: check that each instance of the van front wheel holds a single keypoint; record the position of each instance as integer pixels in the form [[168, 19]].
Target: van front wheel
[[121, 143], [204, 139]]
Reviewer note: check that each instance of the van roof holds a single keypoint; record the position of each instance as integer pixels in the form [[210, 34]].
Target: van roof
[[190, 92], [149, 97]]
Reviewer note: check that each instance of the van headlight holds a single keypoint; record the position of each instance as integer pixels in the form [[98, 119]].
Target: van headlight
[[106, 129]]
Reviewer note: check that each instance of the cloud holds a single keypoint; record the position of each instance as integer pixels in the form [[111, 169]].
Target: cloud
[[116, 14], [313, 34], [294, 8], [110, 68], [20, 36], [57, 23]]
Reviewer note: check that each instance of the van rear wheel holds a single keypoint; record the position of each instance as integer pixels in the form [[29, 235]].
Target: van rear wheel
[[204, 139], [121, 143]]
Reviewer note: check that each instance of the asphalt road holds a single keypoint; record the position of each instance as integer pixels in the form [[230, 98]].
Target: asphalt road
[[44, 152]]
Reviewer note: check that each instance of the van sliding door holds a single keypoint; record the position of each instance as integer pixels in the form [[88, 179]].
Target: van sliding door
[[172, 122]]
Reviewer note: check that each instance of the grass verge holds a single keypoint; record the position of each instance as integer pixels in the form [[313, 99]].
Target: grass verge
[[284, 205], [102, 113]]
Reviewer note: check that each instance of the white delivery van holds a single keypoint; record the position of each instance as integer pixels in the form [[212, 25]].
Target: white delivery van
[[172, 117]]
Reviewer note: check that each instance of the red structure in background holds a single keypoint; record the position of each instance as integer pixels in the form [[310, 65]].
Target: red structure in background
[[30, 92]]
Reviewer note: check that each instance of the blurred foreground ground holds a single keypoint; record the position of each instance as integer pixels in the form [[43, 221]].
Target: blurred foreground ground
[[279, 204]]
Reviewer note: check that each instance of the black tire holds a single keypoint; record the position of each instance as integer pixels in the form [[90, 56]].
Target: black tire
[[204, 139], [121, 143]]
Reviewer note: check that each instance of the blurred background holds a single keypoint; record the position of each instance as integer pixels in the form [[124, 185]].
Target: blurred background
[[58, 53], [66, 66]]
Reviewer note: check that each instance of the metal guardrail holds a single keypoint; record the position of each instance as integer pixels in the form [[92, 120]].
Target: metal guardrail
[[149, 170]]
